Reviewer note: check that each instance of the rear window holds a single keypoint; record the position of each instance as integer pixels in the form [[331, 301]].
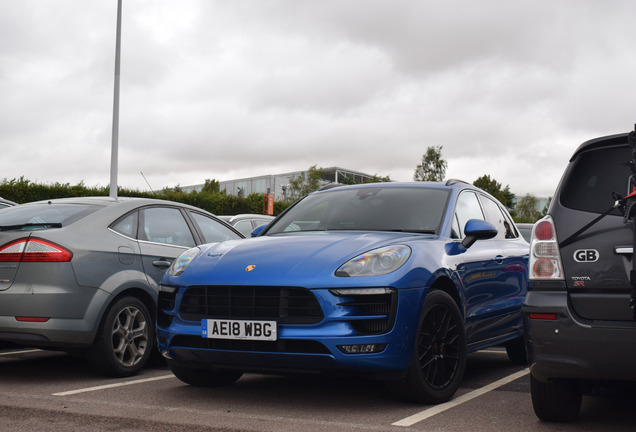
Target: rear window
[[592, 178], [32, 217]]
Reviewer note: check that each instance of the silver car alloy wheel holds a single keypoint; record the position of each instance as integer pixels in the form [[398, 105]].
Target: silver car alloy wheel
[[130, 336]]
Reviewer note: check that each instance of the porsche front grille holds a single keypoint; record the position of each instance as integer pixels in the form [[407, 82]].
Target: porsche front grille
[[286, 305]]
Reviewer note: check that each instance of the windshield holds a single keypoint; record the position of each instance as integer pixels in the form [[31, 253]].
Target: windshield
[[40, 216], [412, 209]]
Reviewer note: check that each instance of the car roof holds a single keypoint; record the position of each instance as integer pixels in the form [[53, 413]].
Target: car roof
[[124, 203], [232, 218], [105, 201], [601, 142], [452, 184], [6, 201]]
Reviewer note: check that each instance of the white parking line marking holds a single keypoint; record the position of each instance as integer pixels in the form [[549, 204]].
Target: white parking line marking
[[108, 386], [423, 415], [20, 352], [492, 351]]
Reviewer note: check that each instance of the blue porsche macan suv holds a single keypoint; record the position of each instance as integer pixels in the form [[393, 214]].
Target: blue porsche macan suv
[[396, 281]]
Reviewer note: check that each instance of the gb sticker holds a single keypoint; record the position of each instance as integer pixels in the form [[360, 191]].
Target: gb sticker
[[586, 255]]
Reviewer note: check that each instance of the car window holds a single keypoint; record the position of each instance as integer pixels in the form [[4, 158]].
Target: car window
[[166, 225], [127, 225], [494, 215], [64, 214], [245, 227], [467, 208], [407, 209], [256, 222], [213, 231], [592, 178]]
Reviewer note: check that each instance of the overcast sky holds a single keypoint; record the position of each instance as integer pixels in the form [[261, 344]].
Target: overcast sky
[[230, 89]]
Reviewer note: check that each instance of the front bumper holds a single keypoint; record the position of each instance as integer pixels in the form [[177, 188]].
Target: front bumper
[[312, 348], [569, 347]]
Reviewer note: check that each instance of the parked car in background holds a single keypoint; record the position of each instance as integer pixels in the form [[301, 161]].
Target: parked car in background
[[4, 203], [525, 229], [397, 281], [246, 223], [82, 274], [578, 314]]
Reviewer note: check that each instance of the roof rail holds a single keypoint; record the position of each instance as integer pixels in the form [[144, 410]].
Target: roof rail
[[331, 186], [455, 181]]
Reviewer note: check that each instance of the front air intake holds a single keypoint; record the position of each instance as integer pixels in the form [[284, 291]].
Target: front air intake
[[286, 305]]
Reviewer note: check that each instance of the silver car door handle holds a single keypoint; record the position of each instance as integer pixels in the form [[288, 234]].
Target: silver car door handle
[[161, 263]]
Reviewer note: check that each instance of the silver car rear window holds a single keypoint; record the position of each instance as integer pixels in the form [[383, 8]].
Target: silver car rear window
[[63, 214]]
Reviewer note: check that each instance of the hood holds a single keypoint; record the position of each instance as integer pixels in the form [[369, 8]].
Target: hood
[[299, 259]]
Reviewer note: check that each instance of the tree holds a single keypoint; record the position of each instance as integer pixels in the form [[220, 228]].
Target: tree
[[377, 179], [493, 187], [211, 186], [356, 180], [305, 183], [546, 207], [433, 167], [526, 210]]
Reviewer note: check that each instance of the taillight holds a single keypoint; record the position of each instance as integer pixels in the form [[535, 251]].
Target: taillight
[[545, 257], [34, 250], [544, 230]]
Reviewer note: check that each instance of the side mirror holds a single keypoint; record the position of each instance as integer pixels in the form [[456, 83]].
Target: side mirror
[[258, 230], [477, 229]]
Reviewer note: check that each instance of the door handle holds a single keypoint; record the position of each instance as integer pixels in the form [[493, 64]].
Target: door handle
[[161, 263]]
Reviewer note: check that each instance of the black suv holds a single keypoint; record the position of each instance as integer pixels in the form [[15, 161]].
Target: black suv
[[578, 314]]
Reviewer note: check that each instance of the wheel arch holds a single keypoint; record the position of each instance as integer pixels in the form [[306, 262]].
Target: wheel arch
[[135, 288], [140, 293], [444, 283]]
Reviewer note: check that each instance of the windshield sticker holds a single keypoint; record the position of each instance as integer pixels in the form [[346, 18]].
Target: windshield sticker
[[586, 255]]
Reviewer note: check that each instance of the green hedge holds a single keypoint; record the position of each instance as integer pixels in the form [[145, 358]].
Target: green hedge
[[22, 190]]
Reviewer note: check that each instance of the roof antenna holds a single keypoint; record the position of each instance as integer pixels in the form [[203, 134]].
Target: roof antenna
[[142, 174]]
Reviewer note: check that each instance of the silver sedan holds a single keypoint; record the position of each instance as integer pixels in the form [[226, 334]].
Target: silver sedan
[[81, 274]]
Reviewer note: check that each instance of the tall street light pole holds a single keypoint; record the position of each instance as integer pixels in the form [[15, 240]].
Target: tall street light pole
[[115, 138]]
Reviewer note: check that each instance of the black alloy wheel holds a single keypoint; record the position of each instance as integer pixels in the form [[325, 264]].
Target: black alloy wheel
[[439, 349], [439, 356]]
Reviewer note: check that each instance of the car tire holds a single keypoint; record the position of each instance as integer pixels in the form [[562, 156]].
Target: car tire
[[124, 340], [202, 377], [516, 350], [555, 401], [439, 356]]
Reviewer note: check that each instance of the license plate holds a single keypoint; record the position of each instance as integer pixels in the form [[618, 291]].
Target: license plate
[[239, 329]]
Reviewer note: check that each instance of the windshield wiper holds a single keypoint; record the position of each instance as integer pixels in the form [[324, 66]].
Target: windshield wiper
[[31, 225], [411, 231]]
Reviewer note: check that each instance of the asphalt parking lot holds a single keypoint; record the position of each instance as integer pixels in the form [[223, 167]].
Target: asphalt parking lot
[[52, 391]]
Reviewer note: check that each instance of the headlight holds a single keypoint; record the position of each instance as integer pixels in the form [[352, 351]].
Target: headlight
[[181, 263], [376, 262]]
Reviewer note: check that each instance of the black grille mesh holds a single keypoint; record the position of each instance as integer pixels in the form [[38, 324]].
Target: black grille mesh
[[286, 305]]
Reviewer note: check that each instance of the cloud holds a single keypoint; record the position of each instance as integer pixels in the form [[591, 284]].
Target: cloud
[[222, 90]]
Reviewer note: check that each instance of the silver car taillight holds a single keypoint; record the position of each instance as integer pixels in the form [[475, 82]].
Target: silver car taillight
[[34, 250], [545, 257]]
